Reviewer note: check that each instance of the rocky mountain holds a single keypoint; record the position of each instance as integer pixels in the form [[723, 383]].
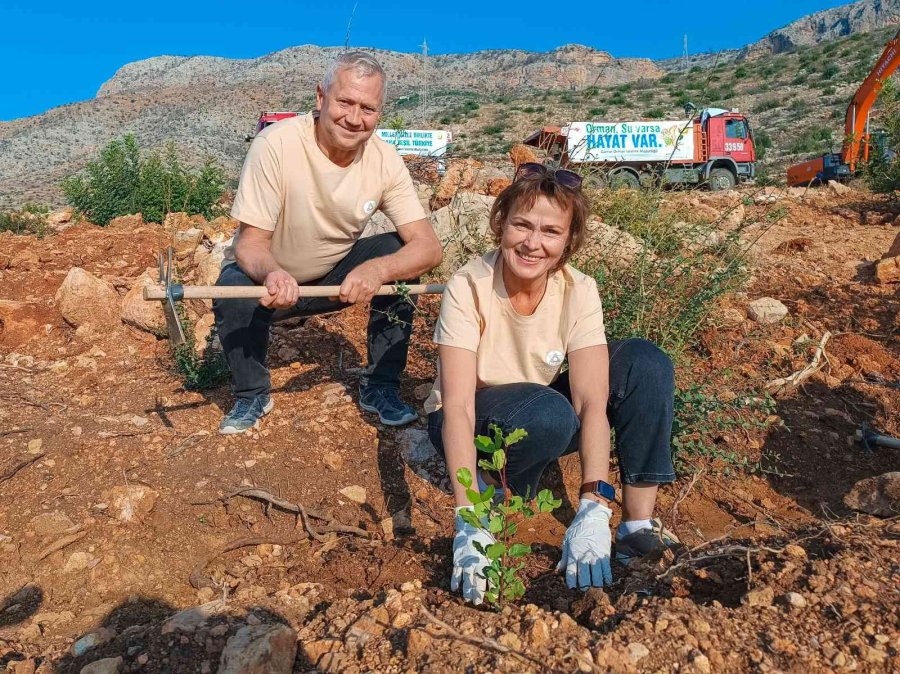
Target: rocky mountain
[[207, 105], [858, 17]]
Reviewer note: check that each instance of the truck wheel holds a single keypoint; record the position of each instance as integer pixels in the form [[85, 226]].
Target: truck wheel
[[624, 180], [721, 179]]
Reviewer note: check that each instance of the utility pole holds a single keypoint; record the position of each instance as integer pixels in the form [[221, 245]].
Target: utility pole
[[424, 83]]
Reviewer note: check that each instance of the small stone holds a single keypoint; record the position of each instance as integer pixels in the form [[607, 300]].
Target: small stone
[[315, 650], [355, 493], [700, 627], [34, 446], [251, 561], [873, 655], [189, 620], [260, 649], [539, 633], [249, 463], [139, 421], [401, 620], [417, 643], [701, 662], [104, 666], [333, 461], [766, 310], [839, 660], [795, 599], [762, 597], [637, 651], [511, 640], [91, 640], [50, 524], [878, 495], [567, 623], [133, 502], [80, 561], [794, 551], [407, 587], [422, 391]]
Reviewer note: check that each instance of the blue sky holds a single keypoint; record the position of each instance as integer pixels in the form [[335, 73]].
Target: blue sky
[[55, 52]]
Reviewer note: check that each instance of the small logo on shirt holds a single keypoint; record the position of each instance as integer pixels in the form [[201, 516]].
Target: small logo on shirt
[[369, 207], [554, 358]]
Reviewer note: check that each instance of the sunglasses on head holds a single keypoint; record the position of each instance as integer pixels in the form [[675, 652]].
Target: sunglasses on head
[[562, 177]]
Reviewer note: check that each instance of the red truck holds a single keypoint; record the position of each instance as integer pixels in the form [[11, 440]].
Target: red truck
[[714, 148]]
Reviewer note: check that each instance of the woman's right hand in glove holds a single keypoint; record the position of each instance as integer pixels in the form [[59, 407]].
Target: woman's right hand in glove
[[468, 562]]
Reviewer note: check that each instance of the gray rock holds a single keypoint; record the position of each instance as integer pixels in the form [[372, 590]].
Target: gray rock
[[766, 310], [876, 495], [465, 217], [104, 666], [189, 620], [92, 640], [260, 649]]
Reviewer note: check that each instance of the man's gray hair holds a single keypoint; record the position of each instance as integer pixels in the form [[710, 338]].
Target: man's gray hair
[[363, 64]]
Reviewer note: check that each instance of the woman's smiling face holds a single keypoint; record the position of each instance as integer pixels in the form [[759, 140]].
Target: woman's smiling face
[[533, 240]]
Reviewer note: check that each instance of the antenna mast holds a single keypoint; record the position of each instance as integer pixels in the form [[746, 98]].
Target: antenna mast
[[684, 56], [424, 82], [349, 24]]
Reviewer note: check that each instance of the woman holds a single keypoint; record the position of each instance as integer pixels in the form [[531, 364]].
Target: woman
[[508, 322]]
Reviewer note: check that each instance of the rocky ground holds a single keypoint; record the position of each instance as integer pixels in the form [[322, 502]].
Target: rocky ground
[[136, 539]]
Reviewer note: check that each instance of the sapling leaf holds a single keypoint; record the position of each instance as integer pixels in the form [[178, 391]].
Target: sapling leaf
[[491, 596], [495, 525], [464, 477], [481, 510], [486, 465], [511, 529], [518, 550], [473, 496], [515, 436], [470, 518], [495, 550], [478, 546], [498, 436], [499, 459], [483, 444], [488, 494]]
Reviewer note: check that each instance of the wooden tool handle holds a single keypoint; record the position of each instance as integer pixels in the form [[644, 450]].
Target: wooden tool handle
[[256, 292]]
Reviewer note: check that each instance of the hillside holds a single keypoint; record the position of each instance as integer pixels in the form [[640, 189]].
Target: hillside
[[794, 83]]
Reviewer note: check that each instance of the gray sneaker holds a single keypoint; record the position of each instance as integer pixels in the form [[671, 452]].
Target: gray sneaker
[[246, 414], [643, 542]]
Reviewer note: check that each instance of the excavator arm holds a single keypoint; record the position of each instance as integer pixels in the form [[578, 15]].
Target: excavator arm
[[856, 122]]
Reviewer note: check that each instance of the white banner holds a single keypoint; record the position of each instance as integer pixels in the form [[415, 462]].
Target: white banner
[[630, 141], [423, 143]]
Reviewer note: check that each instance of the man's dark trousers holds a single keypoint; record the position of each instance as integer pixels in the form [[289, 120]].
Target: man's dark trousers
[[243, 325]]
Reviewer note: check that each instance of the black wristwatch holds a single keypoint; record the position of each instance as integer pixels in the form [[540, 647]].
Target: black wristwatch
[[599, 488]]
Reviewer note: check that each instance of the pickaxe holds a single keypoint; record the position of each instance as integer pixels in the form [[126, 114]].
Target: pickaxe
[[169, 293]]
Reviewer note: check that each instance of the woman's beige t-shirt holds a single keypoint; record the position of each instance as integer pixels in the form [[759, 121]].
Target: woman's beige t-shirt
[[317, 209], [476, 315]]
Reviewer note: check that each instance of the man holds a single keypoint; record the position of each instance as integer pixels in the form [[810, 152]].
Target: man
[[308, 186]]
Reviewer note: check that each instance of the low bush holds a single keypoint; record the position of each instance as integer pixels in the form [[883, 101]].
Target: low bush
[[122, 180], [30, 219]]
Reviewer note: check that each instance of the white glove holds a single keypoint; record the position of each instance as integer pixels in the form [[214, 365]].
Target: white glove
[[468, 563], [585, 549]]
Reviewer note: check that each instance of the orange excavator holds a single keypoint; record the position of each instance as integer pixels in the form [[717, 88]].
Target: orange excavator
[[858, 140]]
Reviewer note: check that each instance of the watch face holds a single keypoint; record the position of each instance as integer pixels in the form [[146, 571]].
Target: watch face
[[605, 490]]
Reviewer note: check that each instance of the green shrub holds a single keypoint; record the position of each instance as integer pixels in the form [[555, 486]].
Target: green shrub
[[762, 141], [122, 181], [200, 373], [812, 140], [30, 219], [655, 113], [882, 173], [767, 104], [597, 112], [830, 70], [493, 129]]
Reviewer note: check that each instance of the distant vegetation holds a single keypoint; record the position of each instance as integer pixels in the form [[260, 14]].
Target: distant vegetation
[[30, 219], [124, 180]]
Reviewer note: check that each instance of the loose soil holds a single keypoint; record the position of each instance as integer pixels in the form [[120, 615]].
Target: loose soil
[[793, 581]]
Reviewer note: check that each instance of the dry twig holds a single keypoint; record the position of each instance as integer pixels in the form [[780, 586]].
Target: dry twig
[[60, 544], [24, 464], [797, 378], [482, 642]]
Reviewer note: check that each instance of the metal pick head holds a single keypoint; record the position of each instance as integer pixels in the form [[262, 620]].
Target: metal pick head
[[173, 324]]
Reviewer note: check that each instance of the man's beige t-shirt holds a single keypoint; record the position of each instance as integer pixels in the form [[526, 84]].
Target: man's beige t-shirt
[[316, 209], [476, 315]]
